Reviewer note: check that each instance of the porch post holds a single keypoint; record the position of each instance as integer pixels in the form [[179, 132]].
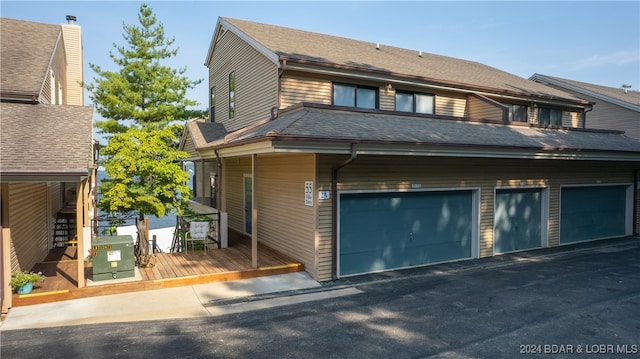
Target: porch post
[[5, 252], [80, 208], [254, 211]]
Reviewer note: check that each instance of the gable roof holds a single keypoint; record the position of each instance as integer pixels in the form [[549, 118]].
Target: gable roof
[[316, 124], [617, 96], [26, 52], [313, 49], [45, 141]]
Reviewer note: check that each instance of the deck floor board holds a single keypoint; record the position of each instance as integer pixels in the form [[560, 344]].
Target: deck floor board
[[165, 270]]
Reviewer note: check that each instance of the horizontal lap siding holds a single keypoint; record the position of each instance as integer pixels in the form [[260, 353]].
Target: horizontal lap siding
[[285, 223], [233, 171], [28, 223], [73, 53], [297, 88], [483, 110], [451, 105], [377, 173], [256, 82]]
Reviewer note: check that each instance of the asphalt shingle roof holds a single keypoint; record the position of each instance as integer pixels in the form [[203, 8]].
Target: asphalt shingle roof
[[631, 97], [25, 51], [329, 124], [41, 138], [310, 46]]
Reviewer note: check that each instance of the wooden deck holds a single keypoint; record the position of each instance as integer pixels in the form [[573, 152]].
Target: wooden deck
[[165, 270]]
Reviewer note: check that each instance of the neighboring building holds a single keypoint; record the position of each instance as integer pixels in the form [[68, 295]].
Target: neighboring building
[[613, 108], [355, 157], [46, 146]]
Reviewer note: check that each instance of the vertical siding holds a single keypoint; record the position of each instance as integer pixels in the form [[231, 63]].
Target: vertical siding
[[256, 86], [285, 223], [28, 222], [374, 173]]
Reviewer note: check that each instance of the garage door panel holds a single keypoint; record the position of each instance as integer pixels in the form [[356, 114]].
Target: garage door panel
[[392, 230], [592, 212], [518, 219]]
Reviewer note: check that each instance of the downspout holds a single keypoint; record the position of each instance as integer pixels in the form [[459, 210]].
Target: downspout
[[334, 211], [218, 195], [584, 115], [635, 201]]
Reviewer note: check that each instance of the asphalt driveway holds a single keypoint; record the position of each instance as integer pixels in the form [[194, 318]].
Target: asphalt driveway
[[570, 302]]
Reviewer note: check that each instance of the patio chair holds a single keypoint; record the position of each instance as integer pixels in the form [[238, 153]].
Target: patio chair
[[198, 232]]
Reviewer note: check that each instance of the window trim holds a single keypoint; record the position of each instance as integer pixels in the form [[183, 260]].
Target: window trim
[[512, 112], [356, 87], [232, 94], [414, 94], [212, 104]]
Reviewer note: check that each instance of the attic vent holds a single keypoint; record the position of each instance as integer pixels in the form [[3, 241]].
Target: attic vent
[[377, 46], [420, 53]]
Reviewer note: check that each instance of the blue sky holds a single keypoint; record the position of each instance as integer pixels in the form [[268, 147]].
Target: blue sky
[[596, 42]]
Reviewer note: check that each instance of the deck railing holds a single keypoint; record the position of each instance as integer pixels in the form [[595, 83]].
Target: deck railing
[[183, 223]]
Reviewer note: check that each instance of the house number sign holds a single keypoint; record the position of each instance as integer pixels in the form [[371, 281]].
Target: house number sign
[[308, 193]]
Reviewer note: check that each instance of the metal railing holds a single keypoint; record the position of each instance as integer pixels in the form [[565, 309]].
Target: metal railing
[[183, 223]]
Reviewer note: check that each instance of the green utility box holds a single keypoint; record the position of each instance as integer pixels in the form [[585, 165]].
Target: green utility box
[[113, 257]]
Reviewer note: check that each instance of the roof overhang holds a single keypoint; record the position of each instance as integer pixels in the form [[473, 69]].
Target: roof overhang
[[28, 97], [45, 176], [224, 26], [546, 80], [303, 145]]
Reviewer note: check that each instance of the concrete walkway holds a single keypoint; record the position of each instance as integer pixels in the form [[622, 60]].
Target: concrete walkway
[[171, 303]]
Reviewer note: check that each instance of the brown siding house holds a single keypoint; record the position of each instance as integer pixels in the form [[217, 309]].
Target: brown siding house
[[355, 157], [46, 146]]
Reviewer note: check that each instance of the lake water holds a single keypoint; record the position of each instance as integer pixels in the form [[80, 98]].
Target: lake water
[[154, 222]]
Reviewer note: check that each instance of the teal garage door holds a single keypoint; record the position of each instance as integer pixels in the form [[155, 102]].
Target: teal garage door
[[517, 219], [381, 231], [592, 212]]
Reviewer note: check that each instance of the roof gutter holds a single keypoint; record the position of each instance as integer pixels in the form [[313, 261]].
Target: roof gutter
[[45, 176], [20, 96], [334, 210]]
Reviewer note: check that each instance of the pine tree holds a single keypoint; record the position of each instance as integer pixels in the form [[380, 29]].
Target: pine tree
[[140, 105]]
